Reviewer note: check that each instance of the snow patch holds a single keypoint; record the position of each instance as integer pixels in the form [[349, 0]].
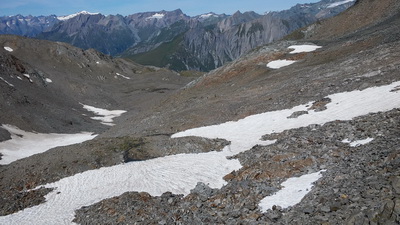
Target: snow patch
[[276, 64], [24, 144], [48, 80], [128, 78], [156, 16], [63, 18], [339, 3], [8, 49], [105, 116], [303, 48], [357, 142], [9, 84], [293, 191], [29, 77], [208, 15]]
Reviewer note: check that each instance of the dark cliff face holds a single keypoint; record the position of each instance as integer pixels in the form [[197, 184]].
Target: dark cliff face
[[108, 34]]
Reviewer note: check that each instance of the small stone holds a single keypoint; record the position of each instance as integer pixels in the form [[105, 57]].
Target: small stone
[[274, 215], [325, 209], [308, 210]]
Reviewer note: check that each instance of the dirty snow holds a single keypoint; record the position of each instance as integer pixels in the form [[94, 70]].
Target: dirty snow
[[24, 144], [8, 49], [105, 116], [276, 64], [303, 48], [118, 74], [293, 191], [9, 84], [180, 173], [357, 142], [339, 3]]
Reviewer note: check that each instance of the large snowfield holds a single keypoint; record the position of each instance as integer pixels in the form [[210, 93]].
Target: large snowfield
[[180, 173]]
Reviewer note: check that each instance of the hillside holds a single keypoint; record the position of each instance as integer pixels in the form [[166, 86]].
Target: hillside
[[44, 85], [301, 131]]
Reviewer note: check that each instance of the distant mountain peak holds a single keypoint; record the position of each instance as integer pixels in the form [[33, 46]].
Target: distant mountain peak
[[76, 14]]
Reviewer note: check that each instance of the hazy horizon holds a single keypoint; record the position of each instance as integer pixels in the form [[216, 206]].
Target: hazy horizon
[[125, 7]]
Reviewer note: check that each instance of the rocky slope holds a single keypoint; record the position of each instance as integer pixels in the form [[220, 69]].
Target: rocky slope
[[360, 184], [44, 84]]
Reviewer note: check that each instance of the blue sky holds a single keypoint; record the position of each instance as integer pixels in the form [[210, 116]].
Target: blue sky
[[126, 7]]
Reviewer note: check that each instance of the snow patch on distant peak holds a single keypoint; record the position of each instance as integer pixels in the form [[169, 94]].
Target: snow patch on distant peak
[[357, 143], [9, 84], [277, 64], [63, 18], [303, 48], [208, 15], [294, 190], [105, 116], [339, 3], [156, 16], [118, 74], [8, 49]]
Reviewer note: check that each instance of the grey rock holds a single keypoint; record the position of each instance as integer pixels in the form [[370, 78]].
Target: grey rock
[[325, 209], [396, 184]]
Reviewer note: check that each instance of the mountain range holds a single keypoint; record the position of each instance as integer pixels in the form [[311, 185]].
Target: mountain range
[[171, 38]]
